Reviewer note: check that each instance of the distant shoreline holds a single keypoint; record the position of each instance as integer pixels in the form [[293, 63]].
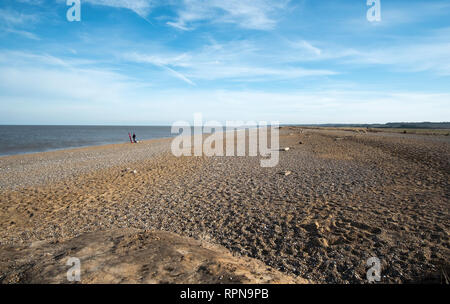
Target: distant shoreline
[[99, 144], [75, 148], [18, 140], [78, 148], [389, 125]]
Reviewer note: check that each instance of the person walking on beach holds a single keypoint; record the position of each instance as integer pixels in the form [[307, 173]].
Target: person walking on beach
[[134, 138]]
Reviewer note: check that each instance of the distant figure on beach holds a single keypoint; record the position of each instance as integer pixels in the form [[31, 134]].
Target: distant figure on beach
[[134, 138]]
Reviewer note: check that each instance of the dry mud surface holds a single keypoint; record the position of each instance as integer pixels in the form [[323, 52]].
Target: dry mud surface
[[131, 256], [349, 197]]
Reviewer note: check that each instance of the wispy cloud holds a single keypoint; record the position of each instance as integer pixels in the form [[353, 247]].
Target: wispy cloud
[[103, 96], [257, 14], [63, 79], [305, 45], [217, 62], [32, 2], [179, 25], [180, 76], [12, 17], [254, 74], [164, 62], [25, 34], [140, 7], [321, 106], [419, 57], [15, 22]]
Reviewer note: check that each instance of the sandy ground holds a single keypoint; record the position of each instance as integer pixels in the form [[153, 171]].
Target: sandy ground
[[131, 256], [350, 197]]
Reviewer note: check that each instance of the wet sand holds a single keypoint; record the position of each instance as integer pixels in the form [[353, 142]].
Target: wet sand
[[350, 196]]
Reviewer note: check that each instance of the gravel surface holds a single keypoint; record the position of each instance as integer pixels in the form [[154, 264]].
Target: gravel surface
[[42, 168], [349, 197]]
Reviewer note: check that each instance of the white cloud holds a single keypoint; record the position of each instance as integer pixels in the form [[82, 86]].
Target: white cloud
[[159, 60], [15, 22], [305, 45], [37, 88], [12, 18], [256, 14], [180, 76], [253, 73], [140, 7], [52, 78], [32, 2], [179, 25], [420, 57], [236, 60], [337, 106], [22, 58], [162, 61], [25, 34], [423, 54]]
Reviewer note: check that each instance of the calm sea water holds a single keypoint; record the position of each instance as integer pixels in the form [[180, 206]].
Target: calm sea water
[[29, 139]]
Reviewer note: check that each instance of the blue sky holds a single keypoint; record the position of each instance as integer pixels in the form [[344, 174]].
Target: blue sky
[[147, 62]]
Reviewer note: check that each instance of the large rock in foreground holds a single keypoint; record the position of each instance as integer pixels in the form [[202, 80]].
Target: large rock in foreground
[[133, 256]]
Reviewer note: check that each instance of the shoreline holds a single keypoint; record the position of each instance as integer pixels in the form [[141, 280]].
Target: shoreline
[[69, 148], [39, 168], [81, 147]]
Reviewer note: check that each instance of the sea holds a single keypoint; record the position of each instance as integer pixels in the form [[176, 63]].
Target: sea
[[31, 139]]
